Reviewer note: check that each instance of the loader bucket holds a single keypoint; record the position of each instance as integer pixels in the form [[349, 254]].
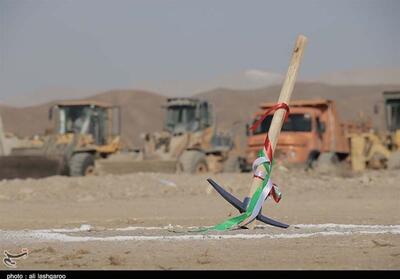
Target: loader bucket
[[29, 166], [118, 167]]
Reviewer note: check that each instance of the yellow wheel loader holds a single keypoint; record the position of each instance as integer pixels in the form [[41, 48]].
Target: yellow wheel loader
[[379, 150], [189, 138], [83, 131]]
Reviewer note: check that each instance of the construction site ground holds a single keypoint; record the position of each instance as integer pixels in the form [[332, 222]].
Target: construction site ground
[[140, 221]]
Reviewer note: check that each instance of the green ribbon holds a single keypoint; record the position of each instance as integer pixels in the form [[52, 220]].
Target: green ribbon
[[237, 221]]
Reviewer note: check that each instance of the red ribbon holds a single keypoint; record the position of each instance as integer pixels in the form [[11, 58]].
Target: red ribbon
[[267, 143]]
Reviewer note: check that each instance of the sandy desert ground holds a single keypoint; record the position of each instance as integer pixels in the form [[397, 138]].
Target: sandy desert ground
[[343, 221]]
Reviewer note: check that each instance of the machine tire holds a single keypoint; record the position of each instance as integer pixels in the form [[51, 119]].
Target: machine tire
[[327, 162], [393, 162], [312, 160], [377, 161], [232, 164], [81, 164], [193, 161]]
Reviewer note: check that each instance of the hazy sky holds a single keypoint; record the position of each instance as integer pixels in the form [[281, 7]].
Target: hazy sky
[[99, 45]]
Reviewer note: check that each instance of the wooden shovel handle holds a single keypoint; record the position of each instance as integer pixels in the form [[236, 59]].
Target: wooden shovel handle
[[284, 97], [287, 89]]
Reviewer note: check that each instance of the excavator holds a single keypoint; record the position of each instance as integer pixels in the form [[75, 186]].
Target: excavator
[[83, 131]]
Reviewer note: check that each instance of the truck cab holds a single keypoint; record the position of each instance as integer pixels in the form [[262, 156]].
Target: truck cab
[[313, 127]]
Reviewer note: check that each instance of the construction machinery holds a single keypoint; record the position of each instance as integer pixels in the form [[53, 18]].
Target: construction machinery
[[189, 142], [379, 149], [83, 131], [2, 139], [190, 139], [312, 133]]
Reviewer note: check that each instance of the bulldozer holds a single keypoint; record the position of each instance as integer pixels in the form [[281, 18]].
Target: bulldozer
[[82, 132], [189, 143], [379, 150]]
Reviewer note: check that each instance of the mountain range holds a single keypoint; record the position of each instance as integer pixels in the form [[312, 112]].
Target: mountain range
[[248, 79]]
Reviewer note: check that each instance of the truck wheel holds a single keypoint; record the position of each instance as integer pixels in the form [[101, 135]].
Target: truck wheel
[[232, 164], [394, 161], [81, 164], [193, 161], [312, 160]]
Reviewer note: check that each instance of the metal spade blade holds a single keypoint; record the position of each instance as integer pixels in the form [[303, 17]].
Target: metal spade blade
[[242, 206]]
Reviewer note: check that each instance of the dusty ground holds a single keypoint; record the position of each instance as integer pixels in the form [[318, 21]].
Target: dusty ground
[[125, 222]]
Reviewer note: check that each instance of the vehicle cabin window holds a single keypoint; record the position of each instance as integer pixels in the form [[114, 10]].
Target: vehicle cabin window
[[73, 118], [180, 117], [84, 120], [320, 126], [393, 115], [204, 116], [296, 122]]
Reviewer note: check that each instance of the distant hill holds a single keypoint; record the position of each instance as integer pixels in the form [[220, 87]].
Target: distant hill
[[247, 79], [244, 80], [25, 121]]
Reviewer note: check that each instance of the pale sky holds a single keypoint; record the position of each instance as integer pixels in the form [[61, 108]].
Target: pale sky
[[101, 45]]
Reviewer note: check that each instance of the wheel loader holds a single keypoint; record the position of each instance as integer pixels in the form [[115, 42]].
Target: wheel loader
[[83, 131], [189, 142], [190, 138], [379, 149]]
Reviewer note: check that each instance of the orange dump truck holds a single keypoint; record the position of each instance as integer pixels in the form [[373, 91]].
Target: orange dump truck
[[312, 128]]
